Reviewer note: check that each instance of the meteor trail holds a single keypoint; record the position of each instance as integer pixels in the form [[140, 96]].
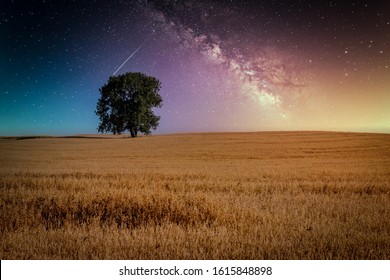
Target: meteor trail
[[129, 58]]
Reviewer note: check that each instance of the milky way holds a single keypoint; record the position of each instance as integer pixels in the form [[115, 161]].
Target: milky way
[[224, 65]]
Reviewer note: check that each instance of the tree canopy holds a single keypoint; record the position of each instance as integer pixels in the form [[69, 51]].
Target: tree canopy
[[126, 103]]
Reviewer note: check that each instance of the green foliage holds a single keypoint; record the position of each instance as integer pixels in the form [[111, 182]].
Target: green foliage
[[126, 104]]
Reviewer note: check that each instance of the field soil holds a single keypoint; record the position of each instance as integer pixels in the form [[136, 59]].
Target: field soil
[[266, 195]]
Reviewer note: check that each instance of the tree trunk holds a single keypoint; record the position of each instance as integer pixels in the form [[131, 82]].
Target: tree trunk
[[133, 132]]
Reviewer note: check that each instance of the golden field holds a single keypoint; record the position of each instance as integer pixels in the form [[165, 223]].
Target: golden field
[[266, 195]]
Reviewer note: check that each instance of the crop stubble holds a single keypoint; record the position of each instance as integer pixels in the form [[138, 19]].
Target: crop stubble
[[268, 195]]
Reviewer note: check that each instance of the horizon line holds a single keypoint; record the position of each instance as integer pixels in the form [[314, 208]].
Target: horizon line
[[126, 135]]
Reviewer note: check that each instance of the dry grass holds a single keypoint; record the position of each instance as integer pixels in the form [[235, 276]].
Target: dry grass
[[274, 195]]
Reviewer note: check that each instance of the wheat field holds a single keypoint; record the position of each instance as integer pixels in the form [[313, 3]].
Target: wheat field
[[266, 195]]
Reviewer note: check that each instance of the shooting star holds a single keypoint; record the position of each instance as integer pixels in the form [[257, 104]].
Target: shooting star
[[129, 57]]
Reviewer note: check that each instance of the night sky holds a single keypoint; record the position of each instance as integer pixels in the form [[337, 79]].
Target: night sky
[[223, 65]]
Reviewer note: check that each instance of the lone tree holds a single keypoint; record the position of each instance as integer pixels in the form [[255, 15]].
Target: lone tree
[[126, 103]]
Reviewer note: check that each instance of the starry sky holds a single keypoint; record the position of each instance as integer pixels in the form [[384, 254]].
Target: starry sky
[[224, 65]]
